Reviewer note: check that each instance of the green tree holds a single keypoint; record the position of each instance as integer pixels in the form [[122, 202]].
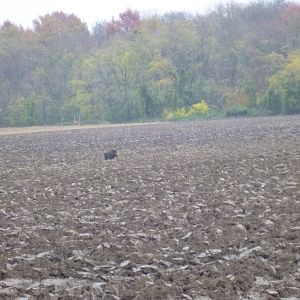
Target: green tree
[[283, 94], [21, 112], [16, 63], [62, 39]]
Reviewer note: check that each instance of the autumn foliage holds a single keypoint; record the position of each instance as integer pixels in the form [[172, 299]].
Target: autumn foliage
[[127, 20], [237, 58]]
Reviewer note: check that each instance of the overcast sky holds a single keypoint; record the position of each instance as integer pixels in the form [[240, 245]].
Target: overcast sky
[[23, 12]]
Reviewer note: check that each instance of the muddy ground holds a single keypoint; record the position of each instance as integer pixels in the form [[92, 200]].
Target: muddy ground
[[196, 210]]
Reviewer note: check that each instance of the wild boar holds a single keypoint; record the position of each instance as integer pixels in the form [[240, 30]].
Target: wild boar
[[111, 154]]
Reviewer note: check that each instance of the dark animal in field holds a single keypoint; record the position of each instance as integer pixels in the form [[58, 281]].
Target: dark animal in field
[[111, 154]]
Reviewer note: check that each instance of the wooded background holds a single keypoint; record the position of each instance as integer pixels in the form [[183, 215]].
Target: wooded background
[[135, 68]]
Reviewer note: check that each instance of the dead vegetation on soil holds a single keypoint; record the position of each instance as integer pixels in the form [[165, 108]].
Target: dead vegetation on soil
[[36, 129], [200, 210]]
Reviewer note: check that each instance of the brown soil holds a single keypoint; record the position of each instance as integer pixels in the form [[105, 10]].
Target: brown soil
[[196, 210]]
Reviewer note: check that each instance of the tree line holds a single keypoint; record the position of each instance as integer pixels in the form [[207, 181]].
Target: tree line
[[234, 58]]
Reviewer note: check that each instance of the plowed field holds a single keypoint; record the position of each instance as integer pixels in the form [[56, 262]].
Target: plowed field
[[195, 210]]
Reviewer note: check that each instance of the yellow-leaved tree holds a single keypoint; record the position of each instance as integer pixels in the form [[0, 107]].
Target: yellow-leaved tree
[[197, 110], [283, 94]]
